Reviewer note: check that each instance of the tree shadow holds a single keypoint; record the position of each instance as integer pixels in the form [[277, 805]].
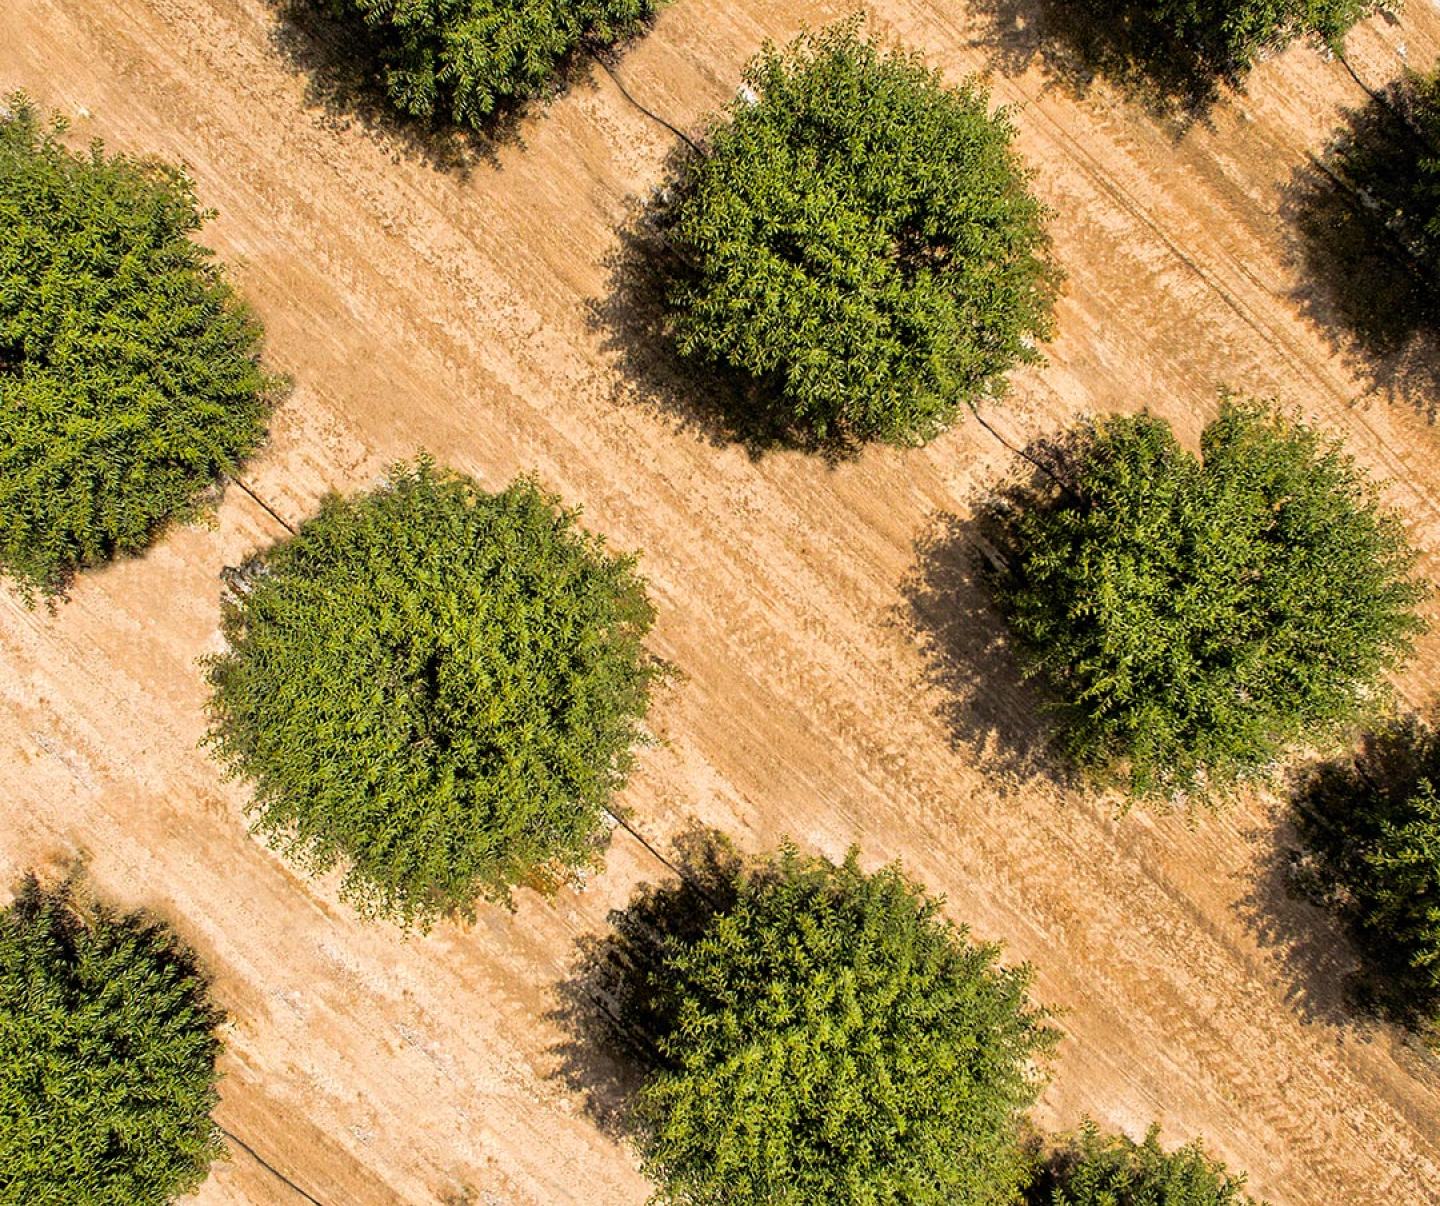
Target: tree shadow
[[612, 1007], [1077, 42], [1287, 912], [994, 713], [709, 401], [1304, 902], [1373, 275], [343, 67]]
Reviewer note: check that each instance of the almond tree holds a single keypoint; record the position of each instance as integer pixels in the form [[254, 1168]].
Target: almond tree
[[1194, 616], [1185, 50], [436, 688], [107, 1056], [828, 1036], [1372, 827], [1094, 1169], [129, 372], [859, 243], [464, 61]]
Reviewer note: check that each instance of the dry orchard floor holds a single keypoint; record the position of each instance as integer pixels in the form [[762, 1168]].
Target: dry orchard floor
[[827, 697]]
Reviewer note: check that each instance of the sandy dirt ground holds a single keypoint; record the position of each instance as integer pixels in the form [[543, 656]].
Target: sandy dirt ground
[[842, 679]]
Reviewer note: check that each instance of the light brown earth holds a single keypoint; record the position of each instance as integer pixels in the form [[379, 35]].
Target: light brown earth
[[417, 305]]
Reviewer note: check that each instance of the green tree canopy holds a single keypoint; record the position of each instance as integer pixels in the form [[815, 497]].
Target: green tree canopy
[[860, 245], [465, 60], [436, 686], [1195, 616], [1375, 825], [107, 1056], [129, 372], [1092, 1169], [1185, 49], [1390, 156], [829, 1037]]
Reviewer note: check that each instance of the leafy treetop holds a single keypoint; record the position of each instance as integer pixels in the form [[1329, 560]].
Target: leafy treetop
[[466, 60], [438, 687], [1375, 826], [1393, 157], [829, 1037], [860, 244], [1183, 50], [129, 372], [1193, 617], [1113, 1170], [107, 1056]]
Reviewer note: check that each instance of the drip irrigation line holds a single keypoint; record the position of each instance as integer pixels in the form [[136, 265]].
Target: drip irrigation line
[[670, 864], [267, 1166], [650, 113], [262, 504], [1025, 454]]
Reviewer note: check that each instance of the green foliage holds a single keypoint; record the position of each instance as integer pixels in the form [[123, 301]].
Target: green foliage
[[1390, 155], [1113, 1170], [860, 244], [1195, 617], [129, 373], [1408, 191], [1185, 49], [829, 1037], [1375, 827], [465, 60], [107, 1056], [1369, 217], [437, 686]]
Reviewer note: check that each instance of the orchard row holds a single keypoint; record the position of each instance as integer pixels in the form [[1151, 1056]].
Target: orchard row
[[438, 690]]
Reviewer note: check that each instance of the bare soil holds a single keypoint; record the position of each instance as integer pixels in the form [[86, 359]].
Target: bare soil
[[843, 679]]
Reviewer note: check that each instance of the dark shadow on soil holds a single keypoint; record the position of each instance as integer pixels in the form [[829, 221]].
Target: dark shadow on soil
[[1289, 915], [612, 1007], [1373, 277], [994, 714], [1304, 900], [702, 399], [344, 73], [1076, 42]]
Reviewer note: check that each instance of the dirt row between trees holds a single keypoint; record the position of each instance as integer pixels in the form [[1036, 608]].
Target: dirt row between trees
[[842, 680]]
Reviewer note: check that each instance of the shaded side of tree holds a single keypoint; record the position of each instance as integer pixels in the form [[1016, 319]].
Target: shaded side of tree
[[1177, 59], [340, 63], [634, 321], [1367, 219], [991, 709], [344, 63], [611, 1008], [1370, 832]]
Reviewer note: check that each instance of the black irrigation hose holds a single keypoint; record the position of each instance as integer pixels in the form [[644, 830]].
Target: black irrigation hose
[[267, 1166], [262, 504], [1025, 454], [1382, 99], [653, 116]]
